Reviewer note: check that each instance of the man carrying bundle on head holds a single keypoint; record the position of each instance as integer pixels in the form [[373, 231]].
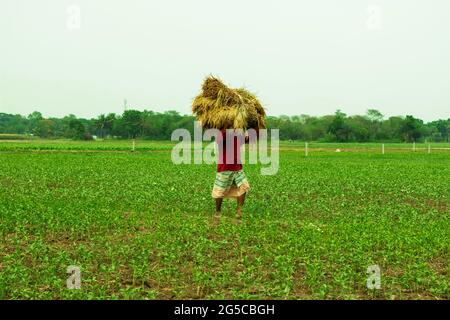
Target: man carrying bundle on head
[[231, 181], [231, 111]]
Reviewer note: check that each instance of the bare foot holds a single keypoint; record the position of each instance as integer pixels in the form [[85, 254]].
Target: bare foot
[[239, 213]]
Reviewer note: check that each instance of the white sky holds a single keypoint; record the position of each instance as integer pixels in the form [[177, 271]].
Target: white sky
[[300, 57]]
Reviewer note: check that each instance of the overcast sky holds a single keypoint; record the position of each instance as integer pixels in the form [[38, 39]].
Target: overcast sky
[[300, 57]]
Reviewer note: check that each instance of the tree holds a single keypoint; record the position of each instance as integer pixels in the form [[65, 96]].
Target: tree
[[360, 128], [448, 131], [376, 118], [412, 129], [100, 124], [10, 123], [110, 118], [33, 119], [77, 129], [129, 125], [45, 128], [443, 129], [131, 121], [374, 115], [338, 129]]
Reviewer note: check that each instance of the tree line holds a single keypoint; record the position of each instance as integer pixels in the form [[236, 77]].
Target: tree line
[[338, 127]]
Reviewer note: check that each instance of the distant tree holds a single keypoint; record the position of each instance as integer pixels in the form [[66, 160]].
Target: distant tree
[[360, 128], [131, 122], [110, 118], [375, 119], [45, 128], [443, 130], [296, 119], [100, 124], [33, 119], [10, 123], [339, 129], [77, 130], [64, 128], [390, 129], [104, 123], [374, 115], [412, 129], [448, 131]]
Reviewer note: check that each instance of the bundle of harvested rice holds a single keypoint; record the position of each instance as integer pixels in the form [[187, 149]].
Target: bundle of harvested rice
[[221, 107]]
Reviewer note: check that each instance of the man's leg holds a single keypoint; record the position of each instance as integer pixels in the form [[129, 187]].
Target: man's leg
[[218, 205], [240, 203]]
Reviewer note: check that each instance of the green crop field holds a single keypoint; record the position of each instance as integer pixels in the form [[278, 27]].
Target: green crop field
[[140, 227]]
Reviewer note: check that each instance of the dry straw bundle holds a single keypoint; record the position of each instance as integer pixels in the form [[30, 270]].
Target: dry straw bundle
[[221, 107]]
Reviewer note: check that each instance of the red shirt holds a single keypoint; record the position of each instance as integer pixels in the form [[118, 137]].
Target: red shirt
[[233, 163]]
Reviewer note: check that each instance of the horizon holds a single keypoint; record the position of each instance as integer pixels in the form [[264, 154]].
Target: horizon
[[191, 115]]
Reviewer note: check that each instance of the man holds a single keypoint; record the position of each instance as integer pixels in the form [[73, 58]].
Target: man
[[231, 181]]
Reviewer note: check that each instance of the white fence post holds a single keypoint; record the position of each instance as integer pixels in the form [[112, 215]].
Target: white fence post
[[306, 149], [382, 148]]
